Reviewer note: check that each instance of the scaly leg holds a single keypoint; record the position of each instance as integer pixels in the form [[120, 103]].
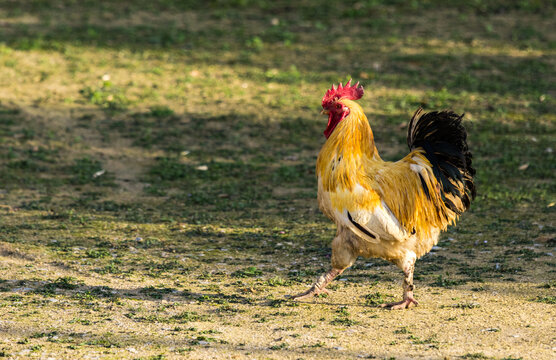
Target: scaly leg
[[343, 256], [319, 286], [408, 266]]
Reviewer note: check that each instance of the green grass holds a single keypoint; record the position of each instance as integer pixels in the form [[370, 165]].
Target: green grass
[[158, 181]]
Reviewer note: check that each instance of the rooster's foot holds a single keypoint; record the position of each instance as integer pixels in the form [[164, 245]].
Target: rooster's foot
[[313, 291], [319, 286], [404, 304]]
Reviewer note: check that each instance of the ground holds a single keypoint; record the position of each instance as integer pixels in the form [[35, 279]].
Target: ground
[[158, 193]]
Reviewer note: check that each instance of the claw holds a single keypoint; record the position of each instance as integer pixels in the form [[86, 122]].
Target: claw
[[313, 291], [319, 287], [404, 304]]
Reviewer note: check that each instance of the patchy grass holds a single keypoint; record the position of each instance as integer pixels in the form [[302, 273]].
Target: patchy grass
[[158, 189]]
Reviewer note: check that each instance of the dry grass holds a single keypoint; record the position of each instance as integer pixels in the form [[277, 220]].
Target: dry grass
[[158, 196]]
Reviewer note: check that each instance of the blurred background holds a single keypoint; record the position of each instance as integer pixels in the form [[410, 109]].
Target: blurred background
[[146, 144]]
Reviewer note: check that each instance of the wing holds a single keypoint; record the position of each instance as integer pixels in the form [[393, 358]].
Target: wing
[[376, 224], [362, 210]]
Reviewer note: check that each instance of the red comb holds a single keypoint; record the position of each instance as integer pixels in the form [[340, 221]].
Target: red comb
[[354, 92]]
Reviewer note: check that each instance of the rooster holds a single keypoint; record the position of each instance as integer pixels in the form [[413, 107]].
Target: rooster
[[391, 210]]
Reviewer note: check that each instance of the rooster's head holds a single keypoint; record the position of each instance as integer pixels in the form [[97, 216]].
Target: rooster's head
[[332, 103]]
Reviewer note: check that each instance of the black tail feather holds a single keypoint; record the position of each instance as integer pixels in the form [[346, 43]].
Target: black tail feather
[[444, 139]]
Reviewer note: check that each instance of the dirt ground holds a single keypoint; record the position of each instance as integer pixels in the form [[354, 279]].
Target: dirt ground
[[158, 195]]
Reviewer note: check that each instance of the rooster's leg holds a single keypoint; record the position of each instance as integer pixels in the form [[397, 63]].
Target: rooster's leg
[[407, 265], [319, 286], [343, 256]]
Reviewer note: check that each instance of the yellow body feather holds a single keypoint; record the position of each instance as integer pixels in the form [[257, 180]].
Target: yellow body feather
[[353, 177]]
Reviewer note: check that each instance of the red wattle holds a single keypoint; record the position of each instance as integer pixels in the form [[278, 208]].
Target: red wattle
[[333, 120]]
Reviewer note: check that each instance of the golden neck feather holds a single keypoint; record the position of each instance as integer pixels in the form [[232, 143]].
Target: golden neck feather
[[348, 146]]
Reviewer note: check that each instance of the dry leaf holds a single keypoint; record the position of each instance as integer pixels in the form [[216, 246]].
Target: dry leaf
[[98, 173]]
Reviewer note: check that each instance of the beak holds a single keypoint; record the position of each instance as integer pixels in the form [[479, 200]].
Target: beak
[[324, 112]]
